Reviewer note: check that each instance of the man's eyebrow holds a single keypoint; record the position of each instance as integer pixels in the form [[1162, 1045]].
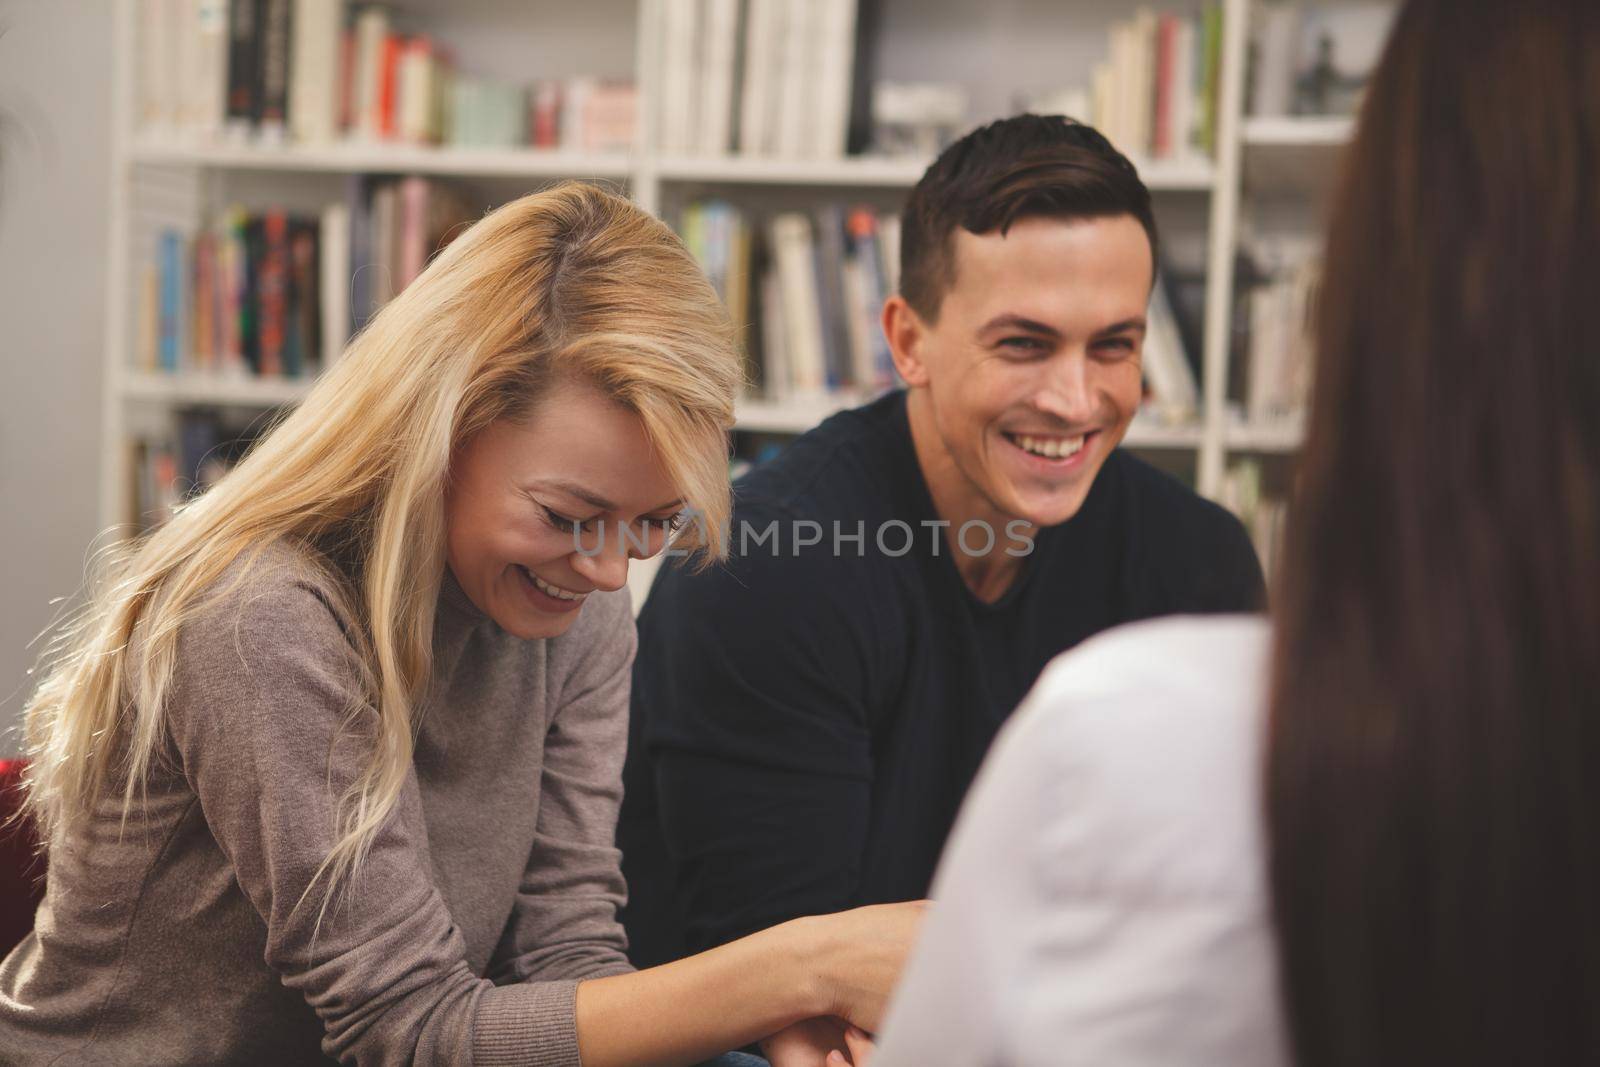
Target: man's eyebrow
[[1135, 323], [1012, 321]]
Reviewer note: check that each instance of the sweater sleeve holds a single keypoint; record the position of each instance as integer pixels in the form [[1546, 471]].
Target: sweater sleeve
[[564, 922], [270, 731]]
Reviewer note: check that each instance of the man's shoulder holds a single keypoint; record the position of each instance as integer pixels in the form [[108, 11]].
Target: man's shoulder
[[846, 468], [1163, 498], [1192, 554]]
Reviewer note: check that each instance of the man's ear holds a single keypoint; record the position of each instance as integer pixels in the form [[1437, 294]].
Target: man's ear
[[907, 335]]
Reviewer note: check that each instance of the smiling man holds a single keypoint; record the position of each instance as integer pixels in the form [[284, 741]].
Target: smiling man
[[807, 719]]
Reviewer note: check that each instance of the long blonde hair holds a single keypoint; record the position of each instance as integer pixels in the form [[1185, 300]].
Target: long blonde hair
[[574, 281]]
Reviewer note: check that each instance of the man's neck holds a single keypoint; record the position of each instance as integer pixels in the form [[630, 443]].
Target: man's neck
[[987, 574]]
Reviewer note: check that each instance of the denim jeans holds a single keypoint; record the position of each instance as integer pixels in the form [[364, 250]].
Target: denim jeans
[[736, 1059]]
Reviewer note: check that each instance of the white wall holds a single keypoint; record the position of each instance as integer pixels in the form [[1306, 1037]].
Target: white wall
[[55, 84]]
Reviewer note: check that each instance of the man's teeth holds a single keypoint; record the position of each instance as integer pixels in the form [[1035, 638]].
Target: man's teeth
[[552, 590], [1050, 447]]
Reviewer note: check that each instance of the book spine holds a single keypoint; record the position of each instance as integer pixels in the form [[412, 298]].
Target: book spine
[[272, 294], [716, 101], [756, 98], [413, 232], [171, 263], [333, 277], [314, 81], [204, 289], [242, 27], [274, 107]]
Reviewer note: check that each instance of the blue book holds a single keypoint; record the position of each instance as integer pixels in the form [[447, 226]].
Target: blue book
[[171, 267]]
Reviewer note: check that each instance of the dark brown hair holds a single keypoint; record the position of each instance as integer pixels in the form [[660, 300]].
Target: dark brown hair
[[1433, 781], [1012, 169]]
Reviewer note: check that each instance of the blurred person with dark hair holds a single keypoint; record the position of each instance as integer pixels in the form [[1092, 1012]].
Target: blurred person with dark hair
[[1366, 834], [807, 718]]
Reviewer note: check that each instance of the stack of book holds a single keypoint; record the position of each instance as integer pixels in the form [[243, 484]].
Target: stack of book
[[807, 288], [396, 227], [276, 295], [782, 78], [1278, 363], [273, 71], [1314, 60], [252, 294], [1263, 516], [1155, 97], [167, 470]]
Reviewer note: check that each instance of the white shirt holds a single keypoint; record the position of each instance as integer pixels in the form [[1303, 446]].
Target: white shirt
[[1102, 901]]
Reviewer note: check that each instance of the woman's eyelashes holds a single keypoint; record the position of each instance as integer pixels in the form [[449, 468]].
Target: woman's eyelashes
[[564, 523], [567, 524]]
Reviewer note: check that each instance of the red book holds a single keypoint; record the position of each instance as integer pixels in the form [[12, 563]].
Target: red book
[[204, 332], [1166, 60], [388, 84], [347, 80], [272, 292]]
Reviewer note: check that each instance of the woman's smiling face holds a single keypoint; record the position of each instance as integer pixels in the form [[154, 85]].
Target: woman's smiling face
[[537, 505]]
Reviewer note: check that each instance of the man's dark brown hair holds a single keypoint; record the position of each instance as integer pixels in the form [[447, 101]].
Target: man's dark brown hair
[[1015, 168]]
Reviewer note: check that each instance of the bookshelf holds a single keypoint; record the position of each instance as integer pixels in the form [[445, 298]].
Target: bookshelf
[[166, 178]]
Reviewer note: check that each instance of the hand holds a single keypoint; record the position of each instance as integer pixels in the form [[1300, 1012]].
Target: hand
[[862, 1050], [806, 1043], [860, 954]]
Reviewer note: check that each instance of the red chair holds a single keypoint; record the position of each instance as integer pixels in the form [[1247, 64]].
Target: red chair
[[21, 864]]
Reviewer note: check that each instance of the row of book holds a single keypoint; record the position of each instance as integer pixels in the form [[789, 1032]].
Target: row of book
[[312, 72], [1278, 360], [251, 294], [165, 470], [1262, 514], [277, 295], [1156, 95], [783, 78], [809, 289], [1314, 59]]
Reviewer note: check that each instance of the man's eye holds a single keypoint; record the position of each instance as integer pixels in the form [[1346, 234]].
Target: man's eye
[[1120, 344], [1027, 345]]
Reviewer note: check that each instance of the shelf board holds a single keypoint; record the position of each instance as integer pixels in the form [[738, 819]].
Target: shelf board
[[218, 389], [755, 170], [1278, 436], [757, 415], [1145, 432], [1293, 132], [354, 158]]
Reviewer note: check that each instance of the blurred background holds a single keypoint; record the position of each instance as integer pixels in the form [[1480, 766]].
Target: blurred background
[[200, 201]]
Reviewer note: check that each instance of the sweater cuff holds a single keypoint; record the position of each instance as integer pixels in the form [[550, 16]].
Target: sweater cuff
[[533, 1024]]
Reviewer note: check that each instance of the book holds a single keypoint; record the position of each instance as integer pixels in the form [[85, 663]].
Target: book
[[334, 280], [243, 107], [314, 73], [720, 32], [272, 68], [758, 98]]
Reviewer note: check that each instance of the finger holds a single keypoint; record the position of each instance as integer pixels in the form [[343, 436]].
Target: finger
[[836, 1059], [860, 1045]]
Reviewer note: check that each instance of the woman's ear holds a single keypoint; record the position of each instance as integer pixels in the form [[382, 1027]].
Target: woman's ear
[[907, 336]]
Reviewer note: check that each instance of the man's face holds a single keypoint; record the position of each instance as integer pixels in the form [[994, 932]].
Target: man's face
[[1033, 368]]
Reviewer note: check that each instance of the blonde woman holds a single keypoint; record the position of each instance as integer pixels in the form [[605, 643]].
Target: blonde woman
[[330, 764]]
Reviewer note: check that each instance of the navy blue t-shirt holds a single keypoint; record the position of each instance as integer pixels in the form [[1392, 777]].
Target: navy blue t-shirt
[[807, 718]]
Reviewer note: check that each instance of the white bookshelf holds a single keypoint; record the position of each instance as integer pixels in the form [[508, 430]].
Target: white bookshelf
[[387, 159], [1297, 132], [177, 176]]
